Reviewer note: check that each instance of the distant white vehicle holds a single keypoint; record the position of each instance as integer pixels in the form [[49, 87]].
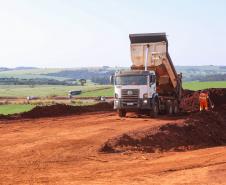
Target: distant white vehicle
[[32, 97], [74, 93]]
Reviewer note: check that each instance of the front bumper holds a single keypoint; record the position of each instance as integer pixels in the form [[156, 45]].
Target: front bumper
[[132, 105]]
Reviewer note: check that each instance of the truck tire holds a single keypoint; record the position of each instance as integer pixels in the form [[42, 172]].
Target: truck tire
[[169, 107], [155, 109], [175, 107], [121, 113]]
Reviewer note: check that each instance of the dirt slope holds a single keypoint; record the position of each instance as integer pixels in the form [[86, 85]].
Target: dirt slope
[[199, 130], [59, 110], [190, 99]]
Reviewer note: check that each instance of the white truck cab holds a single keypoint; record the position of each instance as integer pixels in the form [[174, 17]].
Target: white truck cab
[[134, 90]]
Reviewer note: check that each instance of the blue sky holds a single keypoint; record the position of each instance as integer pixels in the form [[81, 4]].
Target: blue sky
[[74, 33]]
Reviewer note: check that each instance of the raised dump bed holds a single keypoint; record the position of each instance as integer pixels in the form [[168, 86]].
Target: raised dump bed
[[154, 47]]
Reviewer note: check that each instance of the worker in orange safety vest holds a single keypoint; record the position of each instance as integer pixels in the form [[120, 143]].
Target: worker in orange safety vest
[[204, 100]]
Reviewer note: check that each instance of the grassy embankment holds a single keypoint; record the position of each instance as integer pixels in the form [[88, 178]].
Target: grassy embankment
[[15, 108]]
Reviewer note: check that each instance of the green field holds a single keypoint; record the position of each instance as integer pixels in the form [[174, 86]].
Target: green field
[[102, 92], [15, 108], [51, 90], [204, 85], [88, 90]]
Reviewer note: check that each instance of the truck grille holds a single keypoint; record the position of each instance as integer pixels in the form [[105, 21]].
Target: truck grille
[[130, 95]]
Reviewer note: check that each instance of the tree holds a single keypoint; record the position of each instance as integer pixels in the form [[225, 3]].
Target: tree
[[82, 81]]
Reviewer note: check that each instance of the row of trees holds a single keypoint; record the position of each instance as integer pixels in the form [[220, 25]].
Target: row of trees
[[40, 81], [205, 78], [100, 76]]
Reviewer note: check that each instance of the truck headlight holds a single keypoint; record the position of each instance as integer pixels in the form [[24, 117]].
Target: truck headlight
[[145, 101], [145, 95], [116, 95]]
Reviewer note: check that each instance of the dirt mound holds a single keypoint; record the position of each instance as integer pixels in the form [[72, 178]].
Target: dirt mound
[[202, 129], [60, 110], [190, 99]]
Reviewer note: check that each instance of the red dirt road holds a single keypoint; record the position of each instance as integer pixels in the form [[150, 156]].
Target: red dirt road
[[64, 150]]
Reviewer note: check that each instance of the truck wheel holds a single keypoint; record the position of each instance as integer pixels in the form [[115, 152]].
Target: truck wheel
[[155, 109], [121, 113], [169, 108], [175, 107]]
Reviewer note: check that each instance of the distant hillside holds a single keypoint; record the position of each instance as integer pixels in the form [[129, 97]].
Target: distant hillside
[[101, 74], [199, 73], [16, 68], [31, 73], [190, 73], [23, 68], [4, 69]]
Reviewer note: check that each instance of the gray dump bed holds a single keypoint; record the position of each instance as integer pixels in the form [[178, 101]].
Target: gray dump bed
[[158, 60]]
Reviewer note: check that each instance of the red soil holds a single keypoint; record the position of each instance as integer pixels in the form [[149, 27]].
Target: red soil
[[64, 149], [59, 110], [190, 99]]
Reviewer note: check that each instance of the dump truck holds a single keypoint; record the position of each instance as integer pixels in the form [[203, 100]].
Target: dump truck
[[152, 83]]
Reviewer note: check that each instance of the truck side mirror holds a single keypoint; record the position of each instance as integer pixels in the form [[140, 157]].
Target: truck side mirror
[[152, 79], [112, 79]]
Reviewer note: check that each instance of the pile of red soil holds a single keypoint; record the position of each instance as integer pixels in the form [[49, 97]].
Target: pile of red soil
[[4, 117], [60, 110], [200, 130], [190, 99]]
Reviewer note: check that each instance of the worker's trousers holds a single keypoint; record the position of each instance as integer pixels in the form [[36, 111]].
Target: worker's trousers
[[203, 105]]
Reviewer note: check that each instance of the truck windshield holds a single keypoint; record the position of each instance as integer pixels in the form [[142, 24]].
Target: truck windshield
[[131, 80]]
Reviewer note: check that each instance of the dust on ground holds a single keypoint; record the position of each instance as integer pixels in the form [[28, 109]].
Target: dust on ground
[[65, 149]]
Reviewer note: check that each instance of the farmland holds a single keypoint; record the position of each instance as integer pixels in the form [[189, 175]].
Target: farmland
[[50, 90], [89, 90]]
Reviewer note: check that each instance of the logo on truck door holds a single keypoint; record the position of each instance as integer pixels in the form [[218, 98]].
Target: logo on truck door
[[130, 93]]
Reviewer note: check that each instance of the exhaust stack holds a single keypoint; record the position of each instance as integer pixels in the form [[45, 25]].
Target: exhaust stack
[[146, 58]]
